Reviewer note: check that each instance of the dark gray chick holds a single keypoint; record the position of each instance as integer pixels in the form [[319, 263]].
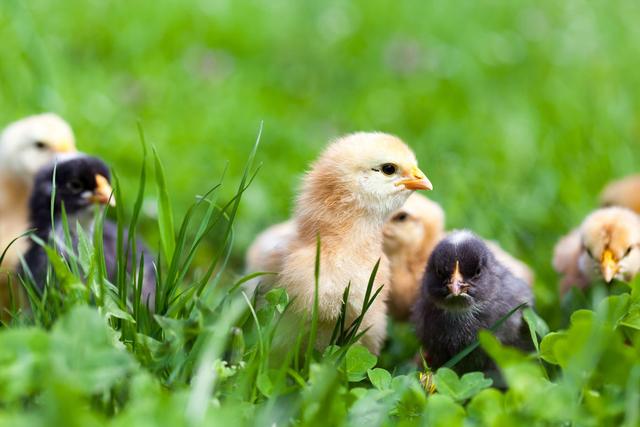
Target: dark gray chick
[[465, 289], [80, 182]]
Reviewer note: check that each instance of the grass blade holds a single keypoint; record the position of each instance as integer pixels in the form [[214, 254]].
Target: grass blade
[[464, 353], [165, 214]]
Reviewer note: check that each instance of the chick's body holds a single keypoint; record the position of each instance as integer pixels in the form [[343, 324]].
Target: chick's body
[[345, 198], [25, 146], [606, 246], [465, 289]]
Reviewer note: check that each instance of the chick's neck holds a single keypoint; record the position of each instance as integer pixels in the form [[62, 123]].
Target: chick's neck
[[340, 223]]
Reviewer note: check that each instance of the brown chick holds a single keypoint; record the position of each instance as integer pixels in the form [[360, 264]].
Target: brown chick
[[356, 183], [606, 246], [25, 146], [624, 192], [409, 238]]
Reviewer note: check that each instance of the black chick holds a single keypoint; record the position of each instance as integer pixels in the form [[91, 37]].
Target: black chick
[[465, 289], [80, 183]]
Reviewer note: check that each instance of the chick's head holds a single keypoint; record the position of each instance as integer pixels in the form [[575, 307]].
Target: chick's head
[[30, 143], [611, 244], [417, 224], [458, 273], [373, 172], [79, 183]]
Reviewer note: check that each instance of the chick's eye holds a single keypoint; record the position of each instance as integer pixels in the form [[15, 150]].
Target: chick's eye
[[478, 270], [389, 168], [401, 217], [40, 145], [628, 251], [589, 252], [74, 186]]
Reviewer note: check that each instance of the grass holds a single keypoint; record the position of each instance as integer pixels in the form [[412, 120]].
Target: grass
[[519, 112], [526, 107], [207, 355]]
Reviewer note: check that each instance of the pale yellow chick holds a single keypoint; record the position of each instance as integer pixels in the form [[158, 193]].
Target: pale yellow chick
[[25, 146], [606, 246], [357, 182]]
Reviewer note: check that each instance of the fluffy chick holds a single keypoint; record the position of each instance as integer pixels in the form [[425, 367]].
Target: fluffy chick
[[409, 238], [345, 198], [25, 146], [267, 253], [606, 246], [624, 192], [80, 183], [466, 289]]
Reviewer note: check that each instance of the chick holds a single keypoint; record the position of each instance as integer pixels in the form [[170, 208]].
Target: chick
[[466, 289], [25, 146], [345, 198], [267, 253], [409, 237], [624, 192], [606, 246], [80, 183]]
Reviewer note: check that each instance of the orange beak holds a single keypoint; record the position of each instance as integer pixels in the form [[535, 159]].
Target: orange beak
[[103, 192], [416, 181], [64, 146], [456, 284], [608, 266]]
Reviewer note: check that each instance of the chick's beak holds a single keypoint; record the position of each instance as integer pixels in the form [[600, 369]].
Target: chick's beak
[[456, 284], [416, 180], [63, 146], [608, 266], [103, 192]]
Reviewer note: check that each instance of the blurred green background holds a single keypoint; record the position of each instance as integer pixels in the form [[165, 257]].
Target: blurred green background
[[519, 111]]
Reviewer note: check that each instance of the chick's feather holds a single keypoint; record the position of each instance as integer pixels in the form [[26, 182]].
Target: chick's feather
[[624, 193]]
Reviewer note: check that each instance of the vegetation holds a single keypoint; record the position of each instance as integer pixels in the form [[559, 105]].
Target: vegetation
[[519, 112]]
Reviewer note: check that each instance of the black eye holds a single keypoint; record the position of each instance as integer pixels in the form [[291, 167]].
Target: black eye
[[589, 252], [628, 251], [401, 217], [40, 145], [389, 168], [75, 186], [478, 270]]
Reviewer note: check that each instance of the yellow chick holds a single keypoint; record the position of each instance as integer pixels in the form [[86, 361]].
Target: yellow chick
[[410, 235], [624, 192], [605, 246], [25, 146], [356, 183]]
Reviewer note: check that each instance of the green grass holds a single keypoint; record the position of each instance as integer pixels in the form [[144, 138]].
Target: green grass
[[518, 111]]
